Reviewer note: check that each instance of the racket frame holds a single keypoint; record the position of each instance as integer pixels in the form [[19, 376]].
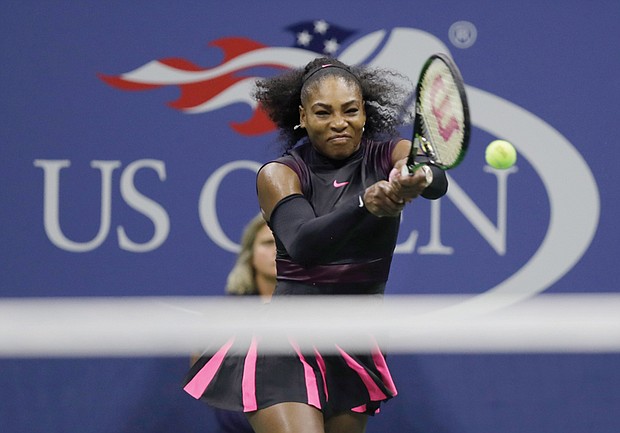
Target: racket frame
[[420, 139]]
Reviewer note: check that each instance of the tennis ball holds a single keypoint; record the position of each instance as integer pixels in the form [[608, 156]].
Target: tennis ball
[[500, 154]]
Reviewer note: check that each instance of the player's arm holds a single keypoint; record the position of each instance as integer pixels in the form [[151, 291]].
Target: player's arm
[[275, 182], [291, 217]]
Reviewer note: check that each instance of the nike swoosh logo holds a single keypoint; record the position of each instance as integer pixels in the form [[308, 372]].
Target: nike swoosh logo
[[339, 184]]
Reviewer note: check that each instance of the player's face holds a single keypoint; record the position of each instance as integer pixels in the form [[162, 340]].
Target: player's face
[[334, 117]]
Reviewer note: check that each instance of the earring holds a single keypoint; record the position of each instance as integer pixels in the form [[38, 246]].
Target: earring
[[296, 127]]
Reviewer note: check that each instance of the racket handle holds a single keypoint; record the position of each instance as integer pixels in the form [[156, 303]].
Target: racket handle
[[410, 168]]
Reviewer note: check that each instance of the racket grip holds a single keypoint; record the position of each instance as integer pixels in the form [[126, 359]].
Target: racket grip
[[410, 168]]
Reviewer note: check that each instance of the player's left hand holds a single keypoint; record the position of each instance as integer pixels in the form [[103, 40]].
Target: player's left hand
[[406, 186]]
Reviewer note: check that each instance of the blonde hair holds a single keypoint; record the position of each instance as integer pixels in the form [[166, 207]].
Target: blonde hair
[[241, 279]]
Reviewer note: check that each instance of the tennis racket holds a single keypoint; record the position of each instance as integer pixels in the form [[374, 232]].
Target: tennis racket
[[441, 126]]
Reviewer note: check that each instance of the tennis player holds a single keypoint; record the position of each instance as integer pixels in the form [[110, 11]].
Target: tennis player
[[333, 202]]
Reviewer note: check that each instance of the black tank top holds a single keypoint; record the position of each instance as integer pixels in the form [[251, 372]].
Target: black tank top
[[325, 184]]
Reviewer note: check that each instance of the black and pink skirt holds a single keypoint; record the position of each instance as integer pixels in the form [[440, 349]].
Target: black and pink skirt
[[238, 377]]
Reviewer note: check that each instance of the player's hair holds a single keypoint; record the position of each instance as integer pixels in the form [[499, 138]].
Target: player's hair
[[386, 94], [242, 278]]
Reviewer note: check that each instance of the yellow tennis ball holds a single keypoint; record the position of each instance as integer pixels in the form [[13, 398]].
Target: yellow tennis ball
[[500, 154]]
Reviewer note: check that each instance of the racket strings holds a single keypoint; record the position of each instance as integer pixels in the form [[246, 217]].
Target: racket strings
[[442, 113]]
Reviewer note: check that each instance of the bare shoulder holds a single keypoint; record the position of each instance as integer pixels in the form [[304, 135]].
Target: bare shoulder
[[401, 150], [276, 175], [274, 182]]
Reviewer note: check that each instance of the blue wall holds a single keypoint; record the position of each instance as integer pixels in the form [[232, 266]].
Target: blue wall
[[177, 161]]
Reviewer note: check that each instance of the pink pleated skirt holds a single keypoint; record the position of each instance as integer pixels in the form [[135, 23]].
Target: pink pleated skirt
[[239, 377]]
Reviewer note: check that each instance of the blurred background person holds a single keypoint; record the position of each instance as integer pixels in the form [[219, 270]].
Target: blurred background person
[[254, 272]]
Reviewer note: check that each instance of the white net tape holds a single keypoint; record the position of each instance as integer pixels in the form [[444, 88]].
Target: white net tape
[[171, 326]]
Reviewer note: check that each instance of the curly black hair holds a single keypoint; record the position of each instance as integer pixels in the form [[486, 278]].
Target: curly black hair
[[386, 95]]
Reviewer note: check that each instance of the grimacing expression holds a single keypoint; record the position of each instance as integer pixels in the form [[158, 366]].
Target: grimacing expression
[[333, 115]]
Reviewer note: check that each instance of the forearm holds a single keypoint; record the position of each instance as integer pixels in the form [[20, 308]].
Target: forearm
[[308, 237]]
